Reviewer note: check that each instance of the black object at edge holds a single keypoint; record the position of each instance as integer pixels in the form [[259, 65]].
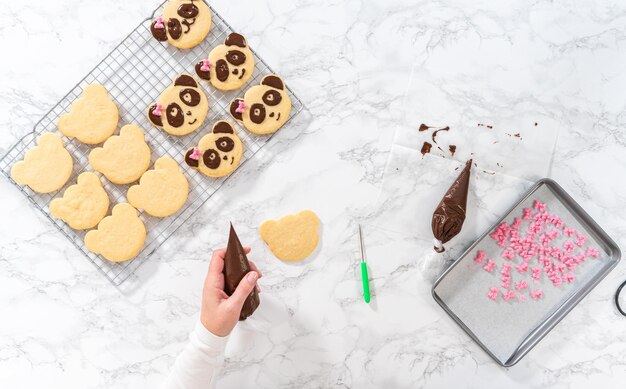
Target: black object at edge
[[617, 293]]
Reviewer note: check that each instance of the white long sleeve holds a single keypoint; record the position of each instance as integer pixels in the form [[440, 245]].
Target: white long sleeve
[[197, 366]]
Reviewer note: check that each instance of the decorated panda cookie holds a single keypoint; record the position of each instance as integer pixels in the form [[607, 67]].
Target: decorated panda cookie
[[184, 23], [264, 108], [218, 153], [181, 108], [229, 66]]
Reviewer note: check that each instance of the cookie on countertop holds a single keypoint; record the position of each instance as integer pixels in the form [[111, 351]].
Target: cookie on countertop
[[293, 237], [92, 118], [123, 158], [181, 108], [162, 191], [83, 204], [229, 66], [46, 167], [184, 24], [119, 237], [264, 108], [218, 154]]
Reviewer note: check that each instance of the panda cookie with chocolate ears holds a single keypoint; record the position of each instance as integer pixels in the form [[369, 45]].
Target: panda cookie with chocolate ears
[[184, 24], [181, 108], [264, 108], [229, 66], [218, 154]]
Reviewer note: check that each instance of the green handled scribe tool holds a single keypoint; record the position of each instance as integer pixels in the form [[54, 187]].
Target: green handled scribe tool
[[364, 276]]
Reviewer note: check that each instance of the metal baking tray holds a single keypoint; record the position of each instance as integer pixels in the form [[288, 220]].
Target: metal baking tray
[[507, 331], [135, 72]]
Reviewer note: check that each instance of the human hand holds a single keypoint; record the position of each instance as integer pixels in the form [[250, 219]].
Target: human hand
[[220, 313]]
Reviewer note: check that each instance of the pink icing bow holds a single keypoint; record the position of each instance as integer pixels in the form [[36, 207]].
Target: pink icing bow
[[195, 154], [158, 110], [241, 107], [159, 23], [206, 65]]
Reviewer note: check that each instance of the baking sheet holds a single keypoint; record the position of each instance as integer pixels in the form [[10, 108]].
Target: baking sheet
[[508, 330]]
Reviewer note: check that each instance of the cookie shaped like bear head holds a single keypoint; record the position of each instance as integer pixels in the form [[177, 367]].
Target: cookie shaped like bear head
[[184, 23], [292, 237], [229, 66], [264, 108], [181, 108], [218, 154]]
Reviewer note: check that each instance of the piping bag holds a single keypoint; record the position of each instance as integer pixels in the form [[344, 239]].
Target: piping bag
[[449, 215], [236, 266]]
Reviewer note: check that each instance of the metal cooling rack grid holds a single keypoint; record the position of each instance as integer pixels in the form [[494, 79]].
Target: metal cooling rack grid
[[135, 72]]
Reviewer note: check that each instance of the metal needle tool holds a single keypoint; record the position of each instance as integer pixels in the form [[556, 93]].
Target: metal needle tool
[[364, 276]]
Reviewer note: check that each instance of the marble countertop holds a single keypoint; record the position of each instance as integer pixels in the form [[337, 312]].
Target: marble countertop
[[364, 69]]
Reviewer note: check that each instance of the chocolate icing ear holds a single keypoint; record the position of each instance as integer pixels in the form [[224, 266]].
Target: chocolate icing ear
[[186, 80], [156, 120], [274, 81], [235, 39], [223, 127], [233, 110], [190, 161]]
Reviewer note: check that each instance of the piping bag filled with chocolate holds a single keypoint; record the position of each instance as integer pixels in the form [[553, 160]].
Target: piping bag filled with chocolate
[[236, 266], [449, 215]]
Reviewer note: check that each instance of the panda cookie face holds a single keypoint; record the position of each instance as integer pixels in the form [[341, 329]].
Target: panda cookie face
[[92, 118], [46, 167], [181, 108], [184, 23], [162, 191], [119, 237], [123, 158], [218, 153], [82, 205], [229, 66], [264, 108]]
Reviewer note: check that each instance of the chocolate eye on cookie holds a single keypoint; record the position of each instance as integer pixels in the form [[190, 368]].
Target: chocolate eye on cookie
[[229, 66], [182, 25]]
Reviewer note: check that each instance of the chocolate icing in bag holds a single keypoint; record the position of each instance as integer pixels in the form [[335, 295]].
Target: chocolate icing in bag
[[236, 266]]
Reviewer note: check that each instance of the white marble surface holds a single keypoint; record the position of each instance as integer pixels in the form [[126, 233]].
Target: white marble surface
[[63, 325]]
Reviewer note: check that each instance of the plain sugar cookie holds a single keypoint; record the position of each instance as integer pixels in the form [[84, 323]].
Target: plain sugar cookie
[[293, 237], [219, 153], [162, 191], [82, 205], [92, 118], [46, 167], [229, 66], [264, 108], [181, 108], [123, 158], [184, 23], [119, 237]]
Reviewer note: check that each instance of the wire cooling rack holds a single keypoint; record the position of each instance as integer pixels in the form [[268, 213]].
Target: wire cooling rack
[[135, 73]]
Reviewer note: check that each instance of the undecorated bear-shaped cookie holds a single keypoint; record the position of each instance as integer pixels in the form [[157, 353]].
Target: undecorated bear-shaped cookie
[[92, 118], [83, 204], [181, 108], [229, 66], [123, 158], [119, 237], [293, 237], [162, 191], [184, 23], [218, 154], [46, 167], [264, 108]]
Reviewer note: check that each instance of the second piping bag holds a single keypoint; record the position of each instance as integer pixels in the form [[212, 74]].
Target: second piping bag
[[449, 215]]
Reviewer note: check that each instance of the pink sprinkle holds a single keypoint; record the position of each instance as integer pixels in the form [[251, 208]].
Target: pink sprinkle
[[592, 252], [509, 295], [489, 266], [568, 231], [521, 285], [508, 254], [480, 257], [522, 298], [522, 268], [580, 242], [159, 23], [569, 277], [536, 295], [536, 273], [506, 268], [493, 293], [527, 213], [568, 246], [241, 107], [195, 154], [539, 206], [158, 110], [206, 65]]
